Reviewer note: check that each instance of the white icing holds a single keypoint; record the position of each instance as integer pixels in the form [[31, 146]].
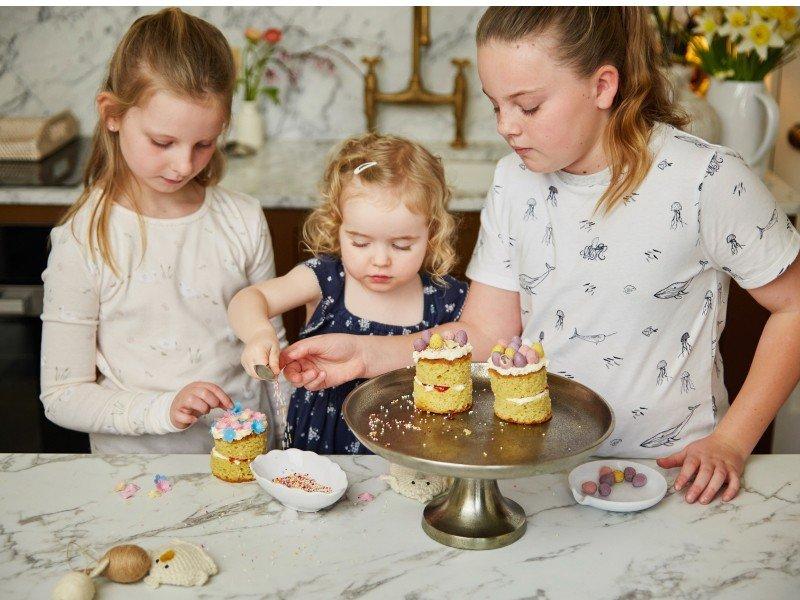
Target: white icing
[[429, 388], [542, 364], [445, 353], [216, 454], [527, 399]]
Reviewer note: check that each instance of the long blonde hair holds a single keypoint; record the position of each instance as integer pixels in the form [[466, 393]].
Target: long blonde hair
[[590, 37], [401, 165], [168, 50]]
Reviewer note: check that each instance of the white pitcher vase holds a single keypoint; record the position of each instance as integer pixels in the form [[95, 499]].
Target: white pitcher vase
[[250, 125], [704, 122], [748, 117]]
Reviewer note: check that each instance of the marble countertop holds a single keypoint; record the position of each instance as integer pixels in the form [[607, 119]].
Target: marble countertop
[[285, 174], [748, 548]]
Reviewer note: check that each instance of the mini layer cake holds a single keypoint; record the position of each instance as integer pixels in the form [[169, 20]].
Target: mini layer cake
[[239, 437], [443, 381], [518, 376]]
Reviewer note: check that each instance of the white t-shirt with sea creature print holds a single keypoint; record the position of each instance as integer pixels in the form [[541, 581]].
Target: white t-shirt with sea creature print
[[633, 303]]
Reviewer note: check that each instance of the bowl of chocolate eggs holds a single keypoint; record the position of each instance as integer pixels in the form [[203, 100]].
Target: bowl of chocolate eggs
[[617, 485]]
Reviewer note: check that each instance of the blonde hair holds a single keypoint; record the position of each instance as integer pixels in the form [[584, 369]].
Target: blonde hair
[[401, 165], [589, 37], [168, 50]]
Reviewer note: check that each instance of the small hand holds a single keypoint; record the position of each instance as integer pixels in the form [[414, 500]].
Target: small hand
[[262, 348], [711, 461], [195, 400]]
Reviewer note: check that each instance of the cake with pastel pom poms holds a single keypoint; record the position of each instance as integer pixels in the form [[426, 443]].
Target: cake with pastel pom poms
[[518, 376], [240, 435], [443, 379]]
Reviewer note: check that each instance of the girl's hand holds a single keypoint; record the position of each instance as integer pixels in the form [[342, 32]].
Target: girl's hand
[[195, 400], [712, 461], [262, 348], [324, 361]]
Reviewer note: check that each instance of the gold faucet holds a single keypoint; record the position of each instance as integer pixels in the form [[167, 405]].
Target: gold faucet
[[415, 92]]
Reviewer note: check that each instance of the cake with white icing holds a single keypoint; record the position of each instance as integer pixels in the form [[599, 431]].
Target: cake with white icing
[[239, 437], [443, 378], [518, 376]]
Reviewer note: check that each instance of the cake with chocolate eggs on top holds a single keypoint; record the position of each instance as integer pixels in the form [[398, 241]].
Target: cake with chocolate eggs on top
[[443, 379], [518, 377]]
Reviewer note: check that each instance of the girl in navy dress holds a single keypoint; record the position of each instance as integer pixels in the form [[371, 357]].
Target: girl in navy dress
[[382, 241]]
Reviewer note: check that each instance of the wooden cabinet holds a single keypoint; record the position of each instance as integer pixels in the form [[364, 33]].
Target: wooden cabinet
[[746, 318]]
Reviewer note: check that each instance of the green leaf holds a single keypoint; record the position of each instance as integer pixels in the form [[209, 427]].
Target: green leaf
[[271, 93]]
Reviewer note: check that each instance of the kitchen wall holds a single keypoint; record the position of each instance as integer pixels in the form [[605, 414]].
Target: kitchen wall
[[54, 58]]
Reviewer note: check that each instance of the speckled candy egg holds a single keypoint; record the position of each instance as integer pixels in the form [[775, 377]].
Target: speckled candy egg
[[420, 344], [630, 473], [605, 489], [519, 360], [461, 337], [496, 359], [448, 335], [426, 336], [589, 487], [639, 480]]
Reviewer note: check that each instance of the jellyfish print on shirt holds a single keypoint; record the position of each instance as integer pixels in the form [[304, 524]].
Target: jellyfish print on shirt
[[707, 301], [734, 243], [662, 376], [676, 216], [552, 196], [530, 213], [686, 347], [559, 320]]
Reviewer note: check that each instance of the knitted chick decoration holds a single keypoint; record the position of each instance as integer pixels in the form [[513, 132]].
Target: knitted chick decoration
[[180, 563]]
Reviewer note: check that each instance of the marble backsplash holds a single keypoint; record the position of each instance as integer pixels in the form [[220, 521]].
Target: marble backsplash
[[53, 58]]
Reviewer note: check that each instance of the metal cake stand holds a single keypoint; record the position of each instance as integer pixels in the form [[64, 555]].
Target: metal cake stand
[[476, 448]]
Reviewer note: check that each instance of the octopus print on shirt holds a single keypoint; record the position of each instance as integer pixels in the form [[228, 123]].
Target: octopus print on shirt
[[633, 302]]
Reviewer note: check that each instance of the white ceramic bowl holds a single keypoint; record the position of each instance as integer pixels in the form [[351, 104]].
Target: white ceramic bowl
[[624, 497], [279, 463]]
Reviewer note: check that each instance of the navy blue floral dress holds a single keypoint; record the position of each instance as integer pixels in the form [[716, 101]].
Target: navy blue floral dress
[[315, 420]]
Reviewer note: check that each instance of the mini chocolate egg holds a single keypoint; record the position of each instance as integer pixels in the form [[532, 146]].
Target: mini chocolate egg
[[589, 487], [450, 344], [630, 473], [513, 344], [496, 359], [619, 476], [639, 480], [436, 341], [519, 360], [420, 345], [498, 348], [605, 489], [539, 349], [461, 337], [605, 470], [510, 352], [516, 340], [533, 358], [448, 335], [505, 361], [607, 478], [426, 336]]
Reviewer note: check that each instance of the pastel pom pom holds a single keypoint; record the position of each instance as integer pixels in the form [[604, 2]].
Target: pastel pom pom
[[520, 360], [229, 434], [461, 337], [448, 335], [420, 345], [426, 336]]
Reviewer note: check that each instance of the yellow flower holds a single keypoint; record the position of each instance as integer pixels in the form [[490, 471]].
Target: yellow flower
[[252, 34], [760, 36], [735, 23], [706, 25], [787, 29]]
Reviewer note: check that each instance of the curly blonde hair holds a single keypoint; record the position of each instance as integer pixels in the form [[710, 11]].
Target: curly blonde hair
[[401, 165]]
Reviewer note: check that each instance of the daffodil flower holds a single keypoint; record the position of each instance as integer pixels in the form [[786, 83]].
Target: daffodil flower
[[706, 26], [735, 23], [760, 36]]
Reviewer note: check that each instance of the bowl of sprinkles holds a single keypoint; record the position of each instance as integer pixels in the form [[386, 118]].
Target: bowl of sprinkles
[[299, 479]]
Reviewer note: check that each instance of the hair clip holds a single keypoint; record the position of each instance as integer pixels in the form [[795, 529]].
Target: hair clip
[[363, 167]]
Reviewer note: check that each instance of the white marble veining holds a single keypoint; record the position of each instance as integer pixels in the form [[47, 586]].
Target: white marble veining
[[53, 58], [748, 548]]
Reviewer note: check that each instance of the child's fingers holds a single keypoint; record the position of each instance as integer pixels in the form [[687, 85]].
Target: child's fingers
[[690, 465], [198, 404], [222, 399], [700, 482], [274, 359], [182, 418], [717, 479], [672, 461], [733, 486]]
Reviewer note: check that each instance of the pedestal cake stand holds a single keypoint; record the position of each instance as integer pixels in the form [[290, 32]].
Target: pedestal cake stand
[[476, 448]]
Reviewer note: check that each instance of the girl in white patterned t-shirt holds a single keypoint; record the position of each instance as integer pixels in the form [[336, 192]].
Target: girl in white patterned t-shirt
[[612, 236], [136, 349]]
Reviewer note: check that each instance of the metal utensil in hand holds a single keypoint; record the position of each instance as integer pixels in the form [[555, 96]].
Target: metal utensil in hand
[[264, 372]]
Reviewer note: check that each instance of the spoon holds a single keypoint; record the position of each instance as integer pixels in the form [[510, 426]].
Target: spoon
[[264, 372]]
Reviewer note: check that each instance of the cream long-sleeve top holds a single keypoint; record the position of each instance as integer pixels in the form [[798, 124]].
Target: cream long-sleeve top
[[117, 348]]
